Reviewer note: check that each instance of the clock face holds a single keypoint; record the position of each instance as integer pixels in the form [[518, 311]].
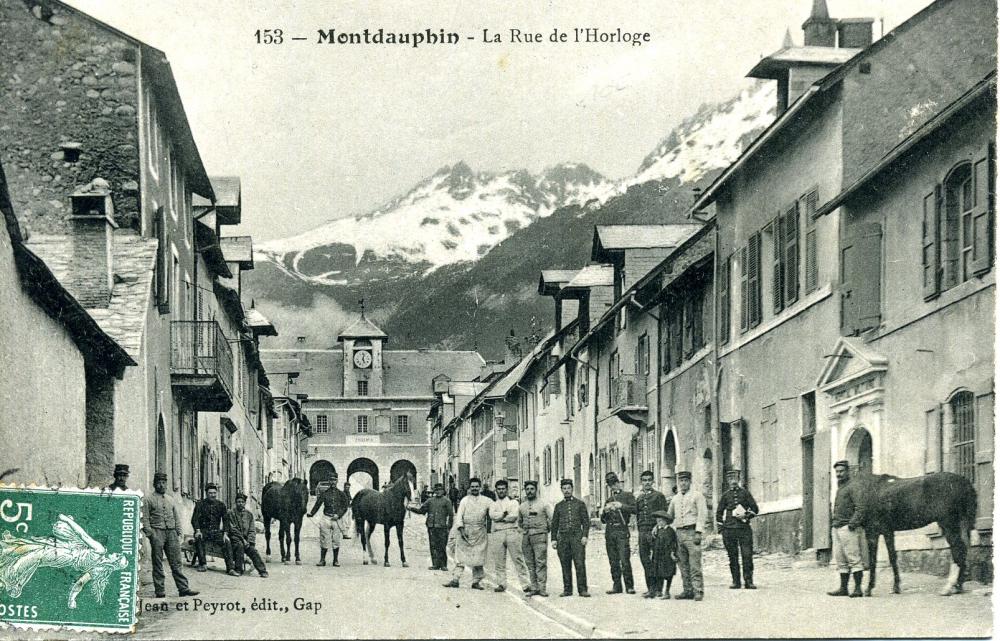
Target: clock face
[[362, 359]]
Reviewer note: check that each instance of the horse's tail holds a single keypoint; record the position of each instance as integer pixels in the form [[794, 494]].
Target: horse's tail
[[359, 530], [969, 512]]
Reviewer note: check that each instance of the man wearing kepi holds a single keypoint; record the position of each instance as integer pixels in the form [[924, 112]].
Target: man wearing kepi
[[648, 502], [736, 508], [534, 519], [505, 538], [242, 532], [616, 514], [121, 478], [334, 503], [570, 527], [162, 526], [849, 548], [689, 511], [207, 522], [470, 539], [440, 516]]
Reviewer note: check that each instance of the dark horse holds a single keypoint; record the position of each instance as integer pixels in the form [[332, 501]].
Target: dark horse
[[891, 504], [285, 502], [387, 507]]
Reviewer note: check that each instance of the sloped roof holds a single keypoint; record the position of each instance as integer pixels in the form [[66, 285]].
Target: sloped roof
[[593, 276], [773, 65], [133, 262], [259, 324], [407, 373], [551, 279], [237, 249], [362, 328], [619, 237]]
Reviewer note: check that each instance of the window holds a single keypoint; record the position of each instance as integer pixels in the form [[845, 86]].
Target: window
[[162, 262], [403, 424], [560, 471], [322, 427], [725, 270], [363, 424], [612, 377], [785, 258], [963, 442], [753, 280], [547, 464], [362, 388], [642, 355], [554, 383], [809, 203], [571, 390]]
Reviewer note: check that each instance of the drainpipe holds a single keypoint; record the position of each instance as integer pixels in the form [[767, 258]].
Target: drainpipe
[[655, 371], [717, 461]]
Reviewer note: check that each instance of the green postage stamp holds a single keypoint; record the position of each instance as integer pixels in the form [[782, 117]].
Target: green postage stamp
[[69, 558]]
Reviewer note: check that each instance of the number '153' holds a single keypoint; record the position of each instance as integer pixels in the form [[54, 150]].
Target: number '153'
[[269, 36]]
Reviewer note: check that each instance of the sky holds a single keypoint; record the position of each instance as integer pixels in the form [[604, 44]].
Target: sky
[[320, 131]]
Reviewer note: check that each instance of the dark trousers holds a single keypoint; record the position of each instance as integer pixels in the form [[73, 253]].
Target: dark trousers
[[572, 553], [438, 539], [616, 542], [165, 542], [201, 545], [662, 584], [646, 558], [739, 543], [239, 549]]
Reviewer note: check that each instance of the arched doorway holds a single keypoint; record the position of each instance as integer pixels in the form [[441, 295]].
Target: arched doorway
[[363, 473], [401, 467], [859, 451], [669, 472], [320, 471], [160, 462]]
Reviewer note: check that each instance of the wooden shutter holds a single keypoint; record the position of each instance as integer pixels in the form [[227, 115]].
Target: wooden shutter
[[778, 255], [162, 261], [860, 282], [982, 214], [811, 262], [688, 323], [984, 461], [790, 227], [932, 244], [676, 337], [932, 452], [744, 291], [724, 274], [821, 488], [664, 338], [753, 279]]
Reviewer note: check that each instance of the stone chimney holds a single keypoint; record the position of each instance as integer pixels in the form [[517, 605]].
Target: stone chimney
[[92, 226], [820, 30], [512, 352]]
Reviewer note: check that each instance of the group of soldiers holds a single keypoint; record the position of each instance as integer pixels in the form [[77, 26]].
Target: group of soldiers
[[491, 530]]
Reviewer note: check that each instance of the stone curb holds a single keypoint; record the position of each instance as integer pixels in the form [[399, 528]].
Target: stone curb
[[577, 624]]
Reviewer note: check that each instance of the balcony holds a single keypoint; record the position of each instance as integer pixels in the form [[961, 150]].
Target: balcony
[[629, 401], [201, 365]]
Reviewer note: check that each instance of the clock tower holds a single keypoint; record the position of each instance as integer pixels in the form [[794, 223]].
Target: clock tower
[[363, 372]]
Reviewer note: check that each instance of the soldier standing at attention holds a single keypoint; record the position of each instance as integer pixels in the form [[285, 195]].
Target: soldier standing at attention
[[689, 513], [440, 517], [121, 478], [162, 526], [616, 514], [648, 501], [534, 519], [736, 508], [207, 522], [570, 526]]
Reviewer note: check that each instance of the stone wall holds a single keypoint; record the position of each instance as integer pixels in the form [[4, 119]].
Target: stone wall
[[100, 456], [65, 80], [938, 562]]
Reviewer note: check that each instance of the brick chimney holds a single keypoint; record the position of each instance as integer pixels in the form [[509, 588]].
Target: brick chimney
[[92, 226]]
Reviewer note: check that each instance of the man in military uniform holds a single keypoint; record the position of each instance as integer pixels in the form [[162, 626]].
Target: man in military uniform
[[162, 527], [690, 514], [850, 551], [616, 514], [335, 504], [242, 532], [121, 478], [570, 527], [534, 517], [440, 517], [648, 501], [736, 508], [207, 523]]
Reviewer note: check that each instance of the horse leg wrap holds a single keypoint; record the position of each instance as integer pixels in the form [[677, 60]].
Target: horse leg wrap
[[951, 586]]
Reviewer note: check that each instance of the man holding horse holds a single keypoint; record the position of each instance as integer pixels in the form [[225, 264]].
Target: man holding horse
[[440, 517], [849, 547], [470, 544], [334, 503], [505, 539], [207, 522]]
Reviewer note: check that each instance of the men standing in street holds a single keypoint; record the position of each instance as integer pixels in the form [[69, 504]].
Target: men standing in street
[[207, 523], [505, 539], [648, 502], [689, 512], [616, 514], [849, 548], [440, 517], [242, 532], [470, 542], [162, 526], [534, 519], [736, 508], [334, 503], [121, 478], [425, 494], [570, 527]]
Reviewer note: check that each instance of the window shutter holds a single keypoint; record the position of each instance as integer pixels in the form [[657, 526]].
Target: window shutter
[[724, 323], [688, 324], [791, 274], [860, 281], [664, 339], [162, 261], [931, 244], [932, 461], [982, 214], [753, 279], [812, 265], [778, 254], [744, 291], [984, 461]]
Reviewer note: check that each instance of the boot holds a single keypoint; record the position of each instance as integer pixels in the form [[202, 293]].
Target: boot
[[844, 578], [857, 585], [336, 553], [322, 558], [748, 583]]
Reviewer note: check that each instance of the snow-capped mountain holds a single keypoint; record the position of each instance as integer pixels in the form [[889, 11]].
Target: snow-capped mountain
[[456, 215]]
